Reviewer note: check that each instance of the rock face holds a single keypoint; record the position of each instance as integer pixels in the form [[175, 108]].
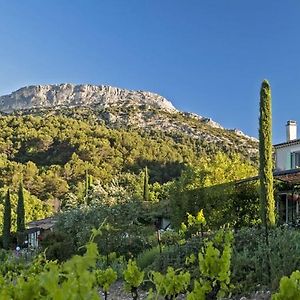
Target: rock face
[[121, 108], [50, 96]]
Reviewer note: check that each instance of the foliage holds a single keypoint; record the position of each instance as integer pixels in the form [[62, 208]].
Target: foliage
[[194, 226], [105, 278], [214, 266], [266, 156], [34, 208], [124, 233], [147, 257], [170, 238], [133, 278], [249, 259], [6, 233], [57, 246], [49, 280], [52, 152], [289, 288], [117, 263], [176, 255], [146, 185], [210, 186], [20, 210], [171, 284]]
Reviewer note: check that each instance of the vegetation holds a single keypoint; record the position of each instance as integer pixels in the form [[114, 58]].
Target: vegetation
[[128, 182], [20, 210], [6, 232], [146, 185], [265, 156]]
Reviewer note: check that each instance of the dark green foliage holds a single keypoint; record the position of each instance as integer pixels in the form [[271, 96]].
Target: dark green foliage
[[122, 231], [265, 156], [146, 185], [57, 246], [6, 233], [249, 263], [147, 257], [21, 209], [176, 256]]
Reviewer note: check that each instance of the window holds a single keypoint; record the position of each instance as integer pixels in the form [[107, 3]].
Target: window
[[295, 160]]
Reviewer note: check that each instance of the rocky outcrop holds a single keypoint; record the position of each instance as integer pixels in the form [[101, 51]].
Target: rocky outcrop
[[50, 96], [121, 108]]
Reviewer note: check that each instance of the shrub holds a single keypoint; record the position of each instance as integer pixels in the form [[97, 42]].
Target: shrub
[[147, 257], [169, 238], [176, 255], [58, 246], [249, 269]]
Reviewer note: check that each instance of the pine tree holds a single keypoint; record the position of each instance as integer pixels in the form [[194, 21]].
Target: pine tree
[[146, 185], [21, 209], [6, 222], [267, 205]]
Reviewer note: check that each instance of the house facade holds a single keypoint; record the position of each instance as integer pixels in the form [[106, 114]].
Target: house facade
[[36, 230], [287, 169]]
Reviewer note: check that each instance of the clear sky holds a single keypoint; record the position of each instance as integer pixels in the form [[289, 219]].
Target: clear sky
[[207, 57]]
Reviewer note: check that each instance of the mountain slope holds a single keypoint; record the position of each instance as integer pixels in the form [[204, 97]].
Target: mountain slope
[[121, 108], [79, 95]]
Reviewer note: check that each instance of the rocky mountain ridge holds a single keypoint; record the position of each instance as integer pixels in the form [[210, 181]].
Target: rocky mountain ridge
[[121, 108], [50, 96]]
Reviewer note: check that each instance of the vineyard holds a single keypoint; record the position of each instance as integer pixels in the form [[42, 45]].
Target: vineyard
[[208, 269]]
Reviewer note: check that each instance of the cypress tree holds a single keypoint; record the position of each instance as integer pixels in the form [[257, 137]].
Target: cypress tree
[[146, 185], [267, 205], [87, 186], [6, 222], [20, 209], [87, 183]]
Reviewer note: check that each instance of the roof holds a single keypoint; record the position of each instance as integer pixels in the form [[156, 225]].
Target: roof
[[32, 230], [43, 223], [289, 176], [292, 142]]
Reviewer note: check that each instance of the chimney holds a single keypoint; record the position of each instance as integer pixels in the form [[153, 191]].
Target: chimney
[[291, 130]]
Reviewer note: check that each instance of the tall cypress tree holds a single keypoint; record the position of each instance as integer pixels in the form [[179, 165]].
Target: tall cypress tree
[[146, 185], [20, 209], [6, 221], [86, 183], [87, 186], [267, 205]]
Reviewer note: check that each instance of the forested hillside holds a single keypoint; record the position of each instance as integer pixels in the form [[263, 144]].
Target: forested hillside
[[52, 153]]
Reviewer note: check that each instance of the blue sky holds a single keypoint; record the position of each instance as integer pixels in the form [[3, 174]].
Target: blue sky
[[207, 57]]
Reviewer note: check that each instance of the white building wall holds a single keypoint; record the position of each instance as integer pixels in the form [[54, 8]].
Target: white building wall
[[283, 157]]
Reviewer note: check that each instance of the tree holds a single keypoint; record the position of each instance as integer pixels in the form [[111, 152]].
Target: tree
[[267, 205], [88, 183], [20, 209], [146, 185], [6, 221]]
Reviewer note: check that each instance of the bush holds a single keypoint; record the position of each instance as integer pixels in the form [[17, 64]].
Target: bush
[[169, 238], [58, 246], [249, 261], [176, 255], [147, 257], [117, 263]]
